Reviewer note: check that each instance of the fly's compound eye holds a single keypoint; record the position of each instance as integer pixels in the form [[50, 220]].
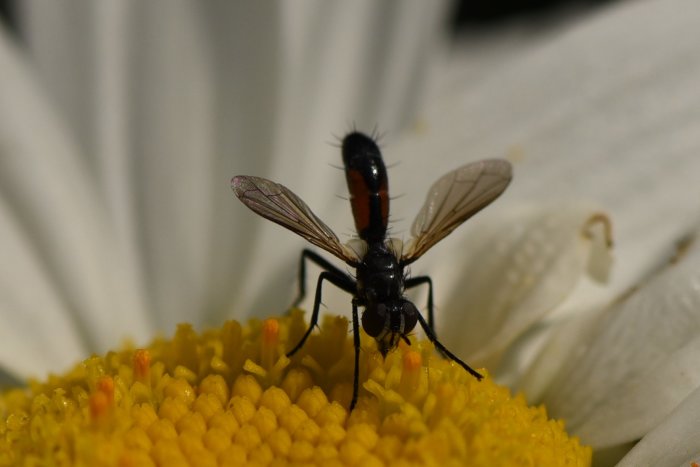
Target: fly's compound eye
[[410, 316], [374, 320]]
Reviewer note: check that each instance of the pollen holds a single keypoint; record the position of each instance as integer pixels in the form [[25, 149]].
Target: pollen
[[230, 396], [141, 365]]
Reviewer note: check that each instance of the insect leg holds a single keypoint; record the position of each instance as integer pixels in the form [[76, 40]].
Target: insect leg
[[416, 281], [442, 348], [356, 342], [321, 262], [341, 281]]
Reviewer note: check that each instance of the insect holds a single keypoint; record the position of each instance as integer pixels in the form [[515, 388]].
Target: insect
[[380, 262]]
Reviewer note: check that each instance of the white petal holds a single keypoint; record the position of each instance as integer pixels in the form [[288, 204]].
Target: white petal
[[513, 272], [637, 363], [553, 340], [49, 190], [36, 330], [675, 442]]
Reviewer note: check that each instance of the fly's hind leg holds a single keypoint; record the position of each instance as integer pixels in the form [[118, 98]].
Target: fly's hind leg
[[444, 351]]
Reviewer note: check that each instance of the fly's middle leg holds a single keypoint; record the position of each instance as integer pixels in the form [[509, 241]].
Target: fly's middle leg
[[318, 260]]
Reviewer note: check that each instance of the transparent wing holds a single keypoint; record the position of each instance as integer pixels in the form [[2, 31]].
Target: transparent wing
[[453, 199], [278, 204]]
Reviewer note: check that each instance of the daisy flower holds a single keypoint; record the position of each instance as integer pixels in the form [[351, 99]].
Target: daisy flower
[[121, 127]]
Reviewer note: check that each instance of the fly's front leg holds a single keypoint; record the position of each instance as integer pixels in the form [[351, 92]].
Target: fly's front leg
[[340, 280], [321, 262], [415, 282], [443, 350]]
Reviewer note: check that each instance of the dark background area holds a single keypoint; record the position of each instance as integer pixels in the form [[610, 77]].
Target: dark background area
[[467, 14], [482, 14], [8, 14]]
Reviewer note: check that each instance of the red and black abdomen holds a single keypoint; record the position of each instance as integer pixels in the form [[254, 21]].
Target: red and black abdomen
[[368, 186]]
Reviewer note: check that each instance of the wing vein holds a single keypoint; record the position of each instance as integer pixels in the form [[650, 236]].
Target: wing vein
[[453, 199], [279, 204]]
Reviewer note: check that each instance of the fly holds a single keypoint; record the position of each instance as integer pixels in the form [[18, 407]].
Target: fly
[[380, 262]]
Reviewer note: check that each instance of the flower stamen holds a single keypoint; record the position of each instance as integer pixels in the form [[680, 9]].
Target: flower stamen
[[194, 400]]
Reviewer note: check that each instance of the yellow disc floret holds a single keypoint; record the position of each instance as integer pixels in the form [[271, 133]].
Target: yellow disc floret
[[230, 396]]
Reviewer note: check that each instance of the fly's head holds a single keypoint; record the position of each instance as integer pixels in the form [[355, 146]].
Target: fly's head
[[389, 322]]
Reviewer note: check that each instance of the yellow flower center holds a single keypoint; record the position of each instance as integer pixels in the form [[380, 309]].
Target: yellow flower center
[[229, 396]]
